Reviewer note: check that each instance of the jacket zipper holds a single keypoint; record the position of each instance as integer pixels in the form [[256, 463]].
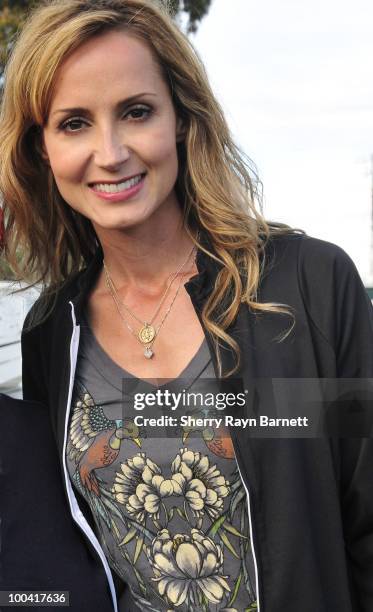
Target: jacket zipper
[[251, 534], [76, 513]]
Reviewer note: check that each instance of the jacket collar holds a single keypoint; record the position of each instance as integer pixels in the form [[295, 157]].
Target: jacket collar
[[85, 282]]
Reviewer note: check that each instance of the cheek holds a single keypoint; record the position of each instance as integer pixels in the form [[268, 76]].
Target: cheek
[[66, 162], [160, 146], [163, 156]]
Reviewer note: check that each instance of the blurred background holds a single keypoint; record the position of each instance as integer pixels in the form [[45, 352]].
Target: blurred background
[[294, 80]]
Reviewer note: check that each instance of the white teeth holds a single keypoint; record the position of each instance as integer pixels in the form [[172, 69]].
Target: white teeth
[[117, 187]]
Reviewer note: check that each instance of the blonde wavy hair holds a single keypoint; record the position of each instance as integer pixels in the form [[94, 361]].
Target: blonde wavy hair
[[215, 185]]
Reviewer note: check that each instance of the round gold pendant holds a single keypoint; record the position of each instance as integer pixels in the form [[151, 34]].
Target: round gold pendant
[[146, 334]]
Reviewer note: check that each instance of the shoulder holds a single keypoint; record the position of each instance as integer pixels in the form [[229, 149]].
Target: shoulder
[[304, 259], [325, 271], [321, 272], [50, 304], [325, 258], [53, 303], [320, 282]]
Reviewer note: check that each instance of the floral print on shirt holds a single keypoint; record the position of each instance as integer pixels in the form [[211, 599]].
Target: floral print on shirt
[[177, 532]]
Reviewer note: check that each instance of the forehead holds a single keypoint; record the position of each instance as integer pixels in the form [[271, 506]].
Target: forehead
[[108, 63]]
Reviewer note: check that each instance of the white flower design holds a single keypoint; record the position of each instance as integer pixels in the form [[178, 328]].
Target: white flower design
[[185, 567], [140, 486], [203, 486]]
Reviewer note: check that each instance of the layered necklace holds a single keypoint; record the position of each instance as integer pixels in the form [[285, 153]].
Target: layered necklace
[[148, 332]]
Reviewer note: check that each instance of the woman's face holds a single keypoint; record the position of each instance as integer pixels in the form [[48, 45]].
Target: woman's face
[[111, 134]]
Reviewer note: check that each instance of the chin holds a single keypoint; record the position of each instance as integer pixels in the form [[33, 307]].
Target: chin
[[121, 222]]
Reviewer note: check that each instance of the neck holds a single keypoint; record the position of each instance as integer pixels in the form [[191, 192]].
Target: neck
[[144, 257]]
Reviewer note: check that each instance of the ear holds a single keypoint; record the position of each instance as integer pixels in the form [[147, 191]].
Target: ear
[[180, 130]]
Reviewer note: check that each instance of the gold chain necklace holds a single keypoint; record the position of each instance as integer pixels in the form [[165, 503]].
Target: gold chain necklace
[[148, 333]]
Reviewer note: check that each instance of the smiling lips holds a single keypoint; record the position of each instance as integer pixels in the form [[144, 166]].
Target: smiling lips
[[118, 191], [117, 187]]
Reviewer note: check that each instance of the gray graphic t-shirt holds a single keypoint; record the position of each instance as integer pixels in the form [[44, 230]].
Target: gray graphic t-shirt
[[170, 509]]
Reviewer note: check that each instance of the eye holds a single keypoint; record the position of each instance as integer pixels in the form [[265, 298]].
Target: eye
[[139, 112], [74, 124]]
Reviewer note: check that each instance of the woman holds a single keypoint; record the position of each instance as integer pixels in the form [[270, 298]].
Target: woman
[[137, 213]]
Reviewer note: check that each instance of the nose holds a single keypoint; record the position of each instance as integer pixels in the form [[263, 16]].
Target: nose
[[110, 150]]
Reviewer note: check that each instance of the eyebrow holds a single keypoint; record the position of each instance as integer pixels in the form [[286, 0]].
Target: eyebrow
[[81, 109]]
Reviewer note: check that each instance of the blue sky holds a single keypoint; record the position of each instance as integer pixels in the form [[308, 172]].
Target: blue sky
[[295, 80]]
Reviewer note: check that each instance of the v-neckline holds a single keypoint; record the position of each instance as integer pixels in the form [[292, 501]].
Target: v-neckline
[[109, 365]]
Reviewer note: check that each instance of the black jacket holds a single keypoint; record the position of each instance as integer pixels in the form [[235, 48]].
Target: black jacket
[[310, 498], [40, 549]]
